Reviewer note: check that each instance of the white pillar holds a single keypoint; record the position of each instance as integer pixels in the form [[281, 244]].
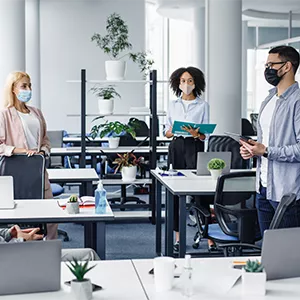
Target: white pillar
[[199, 28], [223, 63], [12, 37], [33, 48], [244, 69]]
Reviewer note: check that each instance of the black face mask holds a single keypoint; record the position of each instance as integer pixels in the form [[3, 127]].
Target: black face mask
[[272, 77]]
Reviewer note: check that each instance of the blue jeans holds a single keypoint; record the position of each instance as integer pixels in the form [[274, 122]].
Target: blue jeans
[[266, 210]]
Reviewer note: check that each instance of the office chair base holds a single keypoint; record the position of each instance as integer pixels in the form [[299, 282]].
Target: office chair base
[[123, 200]]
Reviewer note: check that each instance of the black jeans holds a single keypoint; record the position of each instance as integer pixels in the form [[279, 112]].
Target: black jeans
[[266, 210]]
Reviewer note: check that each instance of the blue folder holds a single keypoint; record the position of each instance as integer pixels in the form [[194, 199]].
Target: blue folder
[[203, 128]]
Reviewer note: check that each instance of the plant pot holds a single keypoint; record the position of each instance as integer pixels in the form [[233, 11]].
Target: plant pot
[[113, 142], [215, 174], [129, 173], [115, 69], [82, 290], [254, 283], [105, 107], [72, 208]]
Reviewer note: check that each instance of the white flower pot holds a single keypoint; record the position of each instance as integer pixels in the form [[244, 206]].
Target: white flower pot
[[129, 173], [113, 142], [115, 69], [82, 290], [254, 284], [72, 208], [105, 107], [215, 174]]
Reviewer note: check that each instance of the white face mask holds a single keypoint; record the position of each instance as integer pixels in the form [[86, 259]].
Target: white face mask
[[186, 88]]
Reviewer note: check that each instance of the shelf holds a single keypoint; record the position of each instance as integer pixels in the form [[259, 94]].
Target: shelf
[[119, 115], [111, 81]]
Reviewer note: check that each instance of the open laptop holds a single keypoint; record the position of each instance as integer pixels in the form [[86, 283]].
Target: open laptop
[[30, 267], [204, 157], [7, 192], [281, 254]]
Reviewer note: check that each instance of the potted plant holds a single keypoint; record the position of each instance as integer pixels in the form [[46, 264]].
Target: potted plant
[[113, 130], [215, 166], [254, 279], [73, 205], [106, 97], [114, 43], [128, 164], [81, 287]]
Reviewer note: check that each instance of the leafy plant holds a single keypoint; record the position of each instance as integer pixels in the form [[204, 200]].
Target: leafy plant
[[73, 199], [113, 128], [79, 269], [106, 93], [126, 160], [253, 266], [143, 62], [216, 164]]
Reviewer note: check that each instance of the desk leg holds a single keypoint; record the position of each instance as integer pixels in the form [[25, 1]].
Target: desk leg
[[169, 223], [88, 235], [158, 217], [89, 188], [100, 239], [182, 226], [152, 199]]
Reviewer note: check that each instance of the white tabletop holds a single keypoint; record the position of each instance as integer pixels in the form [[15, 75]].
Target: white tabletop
[[48, 211], [118, 279], [72, 174], [121, 181], [211, 281]]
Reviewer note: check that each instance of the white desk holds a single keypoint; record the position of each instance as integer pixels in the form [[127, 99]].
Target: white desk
[[48, 211], [189, 184], [208, 275], [118, 279]]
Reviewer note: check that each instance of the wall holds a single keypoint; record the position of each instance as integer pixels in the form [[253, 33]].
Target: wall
[[66, 30]]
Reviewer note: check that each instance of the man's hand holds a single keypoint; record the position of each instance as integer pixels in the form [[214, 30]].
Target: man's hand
[[29, 234], [254, 148], [245, 154]]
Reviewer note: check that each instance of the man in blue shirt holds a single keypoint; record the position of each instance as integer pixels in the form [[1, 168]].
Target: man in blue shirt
[[278, 139]]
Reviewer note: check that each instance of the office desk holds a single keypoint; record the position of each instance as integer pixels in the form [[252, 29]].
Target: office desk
[[189, 184], [48, 211]]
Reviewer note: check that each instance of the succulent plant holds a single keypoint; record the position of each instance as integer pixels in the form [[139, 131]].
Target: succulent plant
[[73, 198], [253, 266], [79, 269], [216, 164]]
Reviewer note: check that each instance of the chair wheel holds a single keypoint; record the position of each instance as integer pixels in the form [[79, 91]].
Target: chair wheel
[[66, 239], [196, 245]]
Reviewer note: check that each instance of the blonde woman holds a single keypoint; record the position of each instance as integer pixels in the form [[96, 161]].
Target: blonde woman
[[23, 128]]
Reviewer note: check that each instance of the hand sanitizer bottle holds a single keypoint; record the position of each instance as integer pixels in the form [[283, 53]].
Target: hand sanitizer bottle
[[186, 277], [171, 171], [100, 199]]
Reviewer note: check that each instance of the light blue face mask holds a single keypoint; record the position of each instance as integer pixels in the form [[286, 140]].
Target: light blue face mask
[[24, 95]]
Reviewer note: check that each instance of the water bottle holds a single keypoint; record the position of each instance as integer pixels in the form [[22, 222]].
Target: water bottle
[[100, 199], [186, 277]]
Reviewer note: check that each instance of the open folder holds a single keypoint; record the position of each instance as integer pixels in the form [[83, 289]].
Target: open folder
[[203, 128]]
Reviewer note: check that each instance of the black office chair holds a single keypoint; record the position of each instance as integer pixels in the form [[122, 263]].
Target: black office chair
[[247, 128], [29, 177], [254, 118]]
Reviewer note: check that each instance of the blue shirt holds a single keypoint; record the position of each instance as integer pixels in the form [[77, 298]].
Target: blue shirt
[[197, 112], [283, 175]]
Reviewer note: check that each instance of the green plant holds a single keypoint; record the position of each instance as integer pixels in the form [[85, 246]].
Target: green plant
[[253, 266], [126, 160], [216, 164], [143, 62], [73, 198], [112, 128], [79, 269], [106, 93]]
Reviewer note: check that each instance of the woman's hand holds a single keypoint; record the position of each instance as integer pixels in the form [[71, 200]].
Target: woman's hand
[[169, 133], [29, 234], [31, 152], [194, 132]]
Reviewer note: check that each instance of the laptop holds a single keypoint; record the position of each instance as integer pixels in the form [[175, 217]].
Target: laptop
[[30, 267], [7, 192], [280, 253], [204, 157]]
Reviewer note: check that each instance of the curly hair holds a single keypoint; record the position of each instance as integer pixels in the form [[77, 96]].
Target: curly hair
[[197, 75]]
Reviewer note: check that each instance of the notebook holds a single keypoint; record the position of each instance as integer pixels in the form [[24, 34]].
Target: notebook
[[203, 128]]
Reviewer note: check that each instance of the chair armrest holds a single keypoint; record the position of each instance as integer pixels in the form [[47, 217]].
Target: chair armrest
[[200, 210]]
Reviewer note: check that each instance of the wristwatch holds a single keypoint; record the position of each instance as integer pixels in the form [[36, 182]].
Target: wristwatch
[[266, 153]]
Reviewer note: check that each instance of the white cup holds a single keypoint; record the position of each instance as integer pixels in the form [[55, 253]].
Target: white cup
[[163, 273]]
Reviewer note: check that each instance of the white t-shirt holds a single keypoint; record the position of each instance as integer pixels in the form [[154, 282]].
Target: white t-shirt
[[265, 121], [31, 126], [186, 104]]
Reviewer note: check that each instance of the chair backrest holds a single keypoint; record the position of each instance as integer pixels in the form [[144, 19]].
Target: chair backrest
[[247, 128], [28, 174], [254, 118], [141, 128], [56, 140], [219, 143], [234, 205]]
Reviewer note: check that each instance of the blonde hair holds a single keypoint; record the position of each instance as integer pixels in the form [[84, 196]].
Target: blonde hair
[[12, 79]]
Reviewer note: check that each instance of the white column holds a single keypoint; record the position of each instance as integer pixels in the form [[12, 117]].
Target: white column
[[33, 49], [244, 68], [223, 63], [199, 28], [12, 37]]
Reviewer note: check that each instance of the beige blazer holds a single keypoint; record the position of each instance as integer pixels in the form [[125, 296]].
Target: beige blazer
[[12, 136]]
